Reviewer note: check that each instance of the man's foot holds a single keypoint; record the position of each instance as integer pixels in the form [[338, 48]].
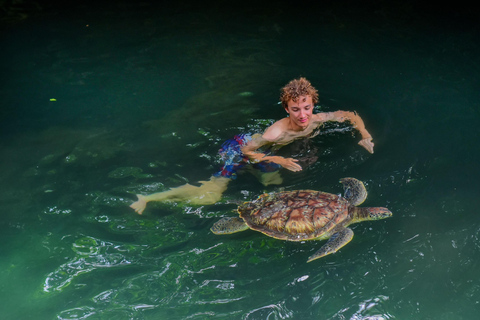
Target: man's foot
[[269, 178], [139, 205]]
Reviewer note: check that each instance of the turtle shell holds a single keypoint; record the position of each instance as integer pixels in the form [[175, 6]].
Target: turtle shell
[[296, 215]]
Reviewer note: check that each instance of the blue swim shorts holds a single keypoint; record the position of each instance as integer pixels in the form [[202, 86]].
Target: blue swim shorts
[[233, 159]]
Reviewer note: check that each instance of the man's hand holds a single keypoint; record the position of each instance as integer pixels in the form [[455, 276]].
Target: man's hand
[[288, 163], [367, 144]]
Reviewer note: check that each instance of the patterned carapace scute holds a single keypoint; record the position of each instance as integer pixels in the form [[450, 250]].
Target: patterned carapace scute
[[296, 215]]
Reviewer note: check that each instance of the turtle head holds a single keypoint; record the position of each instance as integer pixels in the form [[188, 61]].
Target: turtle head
[[377, 213]]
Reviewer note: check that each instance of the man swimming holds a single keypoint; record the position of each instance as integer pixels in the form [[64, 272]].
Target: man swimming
[[298, 98]]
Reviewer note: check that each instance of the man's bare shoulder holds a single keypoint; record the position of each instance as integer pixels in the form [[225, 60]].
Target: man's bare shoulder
[[323, 116], [276, 130]]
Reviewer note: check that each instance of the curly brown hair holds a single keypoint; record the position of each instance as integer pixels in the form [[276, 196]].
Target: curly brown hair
[[296, 88]]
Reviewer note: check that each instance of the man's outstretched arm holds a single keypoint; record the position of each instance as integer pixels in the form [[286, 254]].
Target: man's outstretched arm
[[357, 123]]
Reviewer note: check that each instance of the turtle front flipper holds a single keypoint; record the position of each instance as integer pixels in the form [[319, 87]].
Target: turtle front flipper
[[354, 191], [336, 241], [229, 225]]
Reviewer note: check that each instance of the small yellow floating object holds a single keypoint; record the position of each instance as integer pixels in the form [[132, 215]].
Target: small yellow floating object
[[53, 99]]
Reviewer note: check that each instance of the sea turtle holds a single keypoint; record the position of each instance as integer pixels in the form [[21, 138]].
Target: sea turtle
[[305, 215]]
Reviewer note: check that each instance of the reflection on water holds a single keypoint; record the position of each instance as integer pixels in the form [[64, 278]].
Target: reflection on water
[[131, 98], [90, 255]]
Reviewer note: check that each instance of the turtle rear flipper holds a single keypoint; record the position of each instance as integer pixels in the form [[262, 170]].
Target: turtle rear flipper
[[336, 241], [229, 225]]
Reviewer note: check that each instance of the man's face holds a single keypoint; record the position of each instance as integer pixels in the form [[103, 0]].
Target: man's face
[[300, 112]]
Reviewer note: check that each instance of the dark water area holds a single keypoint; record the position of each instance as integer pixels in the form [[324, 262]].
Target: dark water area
[[102, 101]]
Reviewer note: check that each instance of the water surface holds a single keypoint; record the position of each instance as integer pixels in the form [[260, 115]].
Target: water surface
[[103, 101]]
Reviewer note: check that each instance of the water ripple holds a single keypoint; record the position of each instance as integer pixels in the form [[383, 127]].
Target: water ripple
[[92, 254]]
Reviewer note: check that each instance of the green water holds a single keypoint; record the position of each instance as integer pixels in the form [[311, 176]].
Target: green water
[[103, 101]]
